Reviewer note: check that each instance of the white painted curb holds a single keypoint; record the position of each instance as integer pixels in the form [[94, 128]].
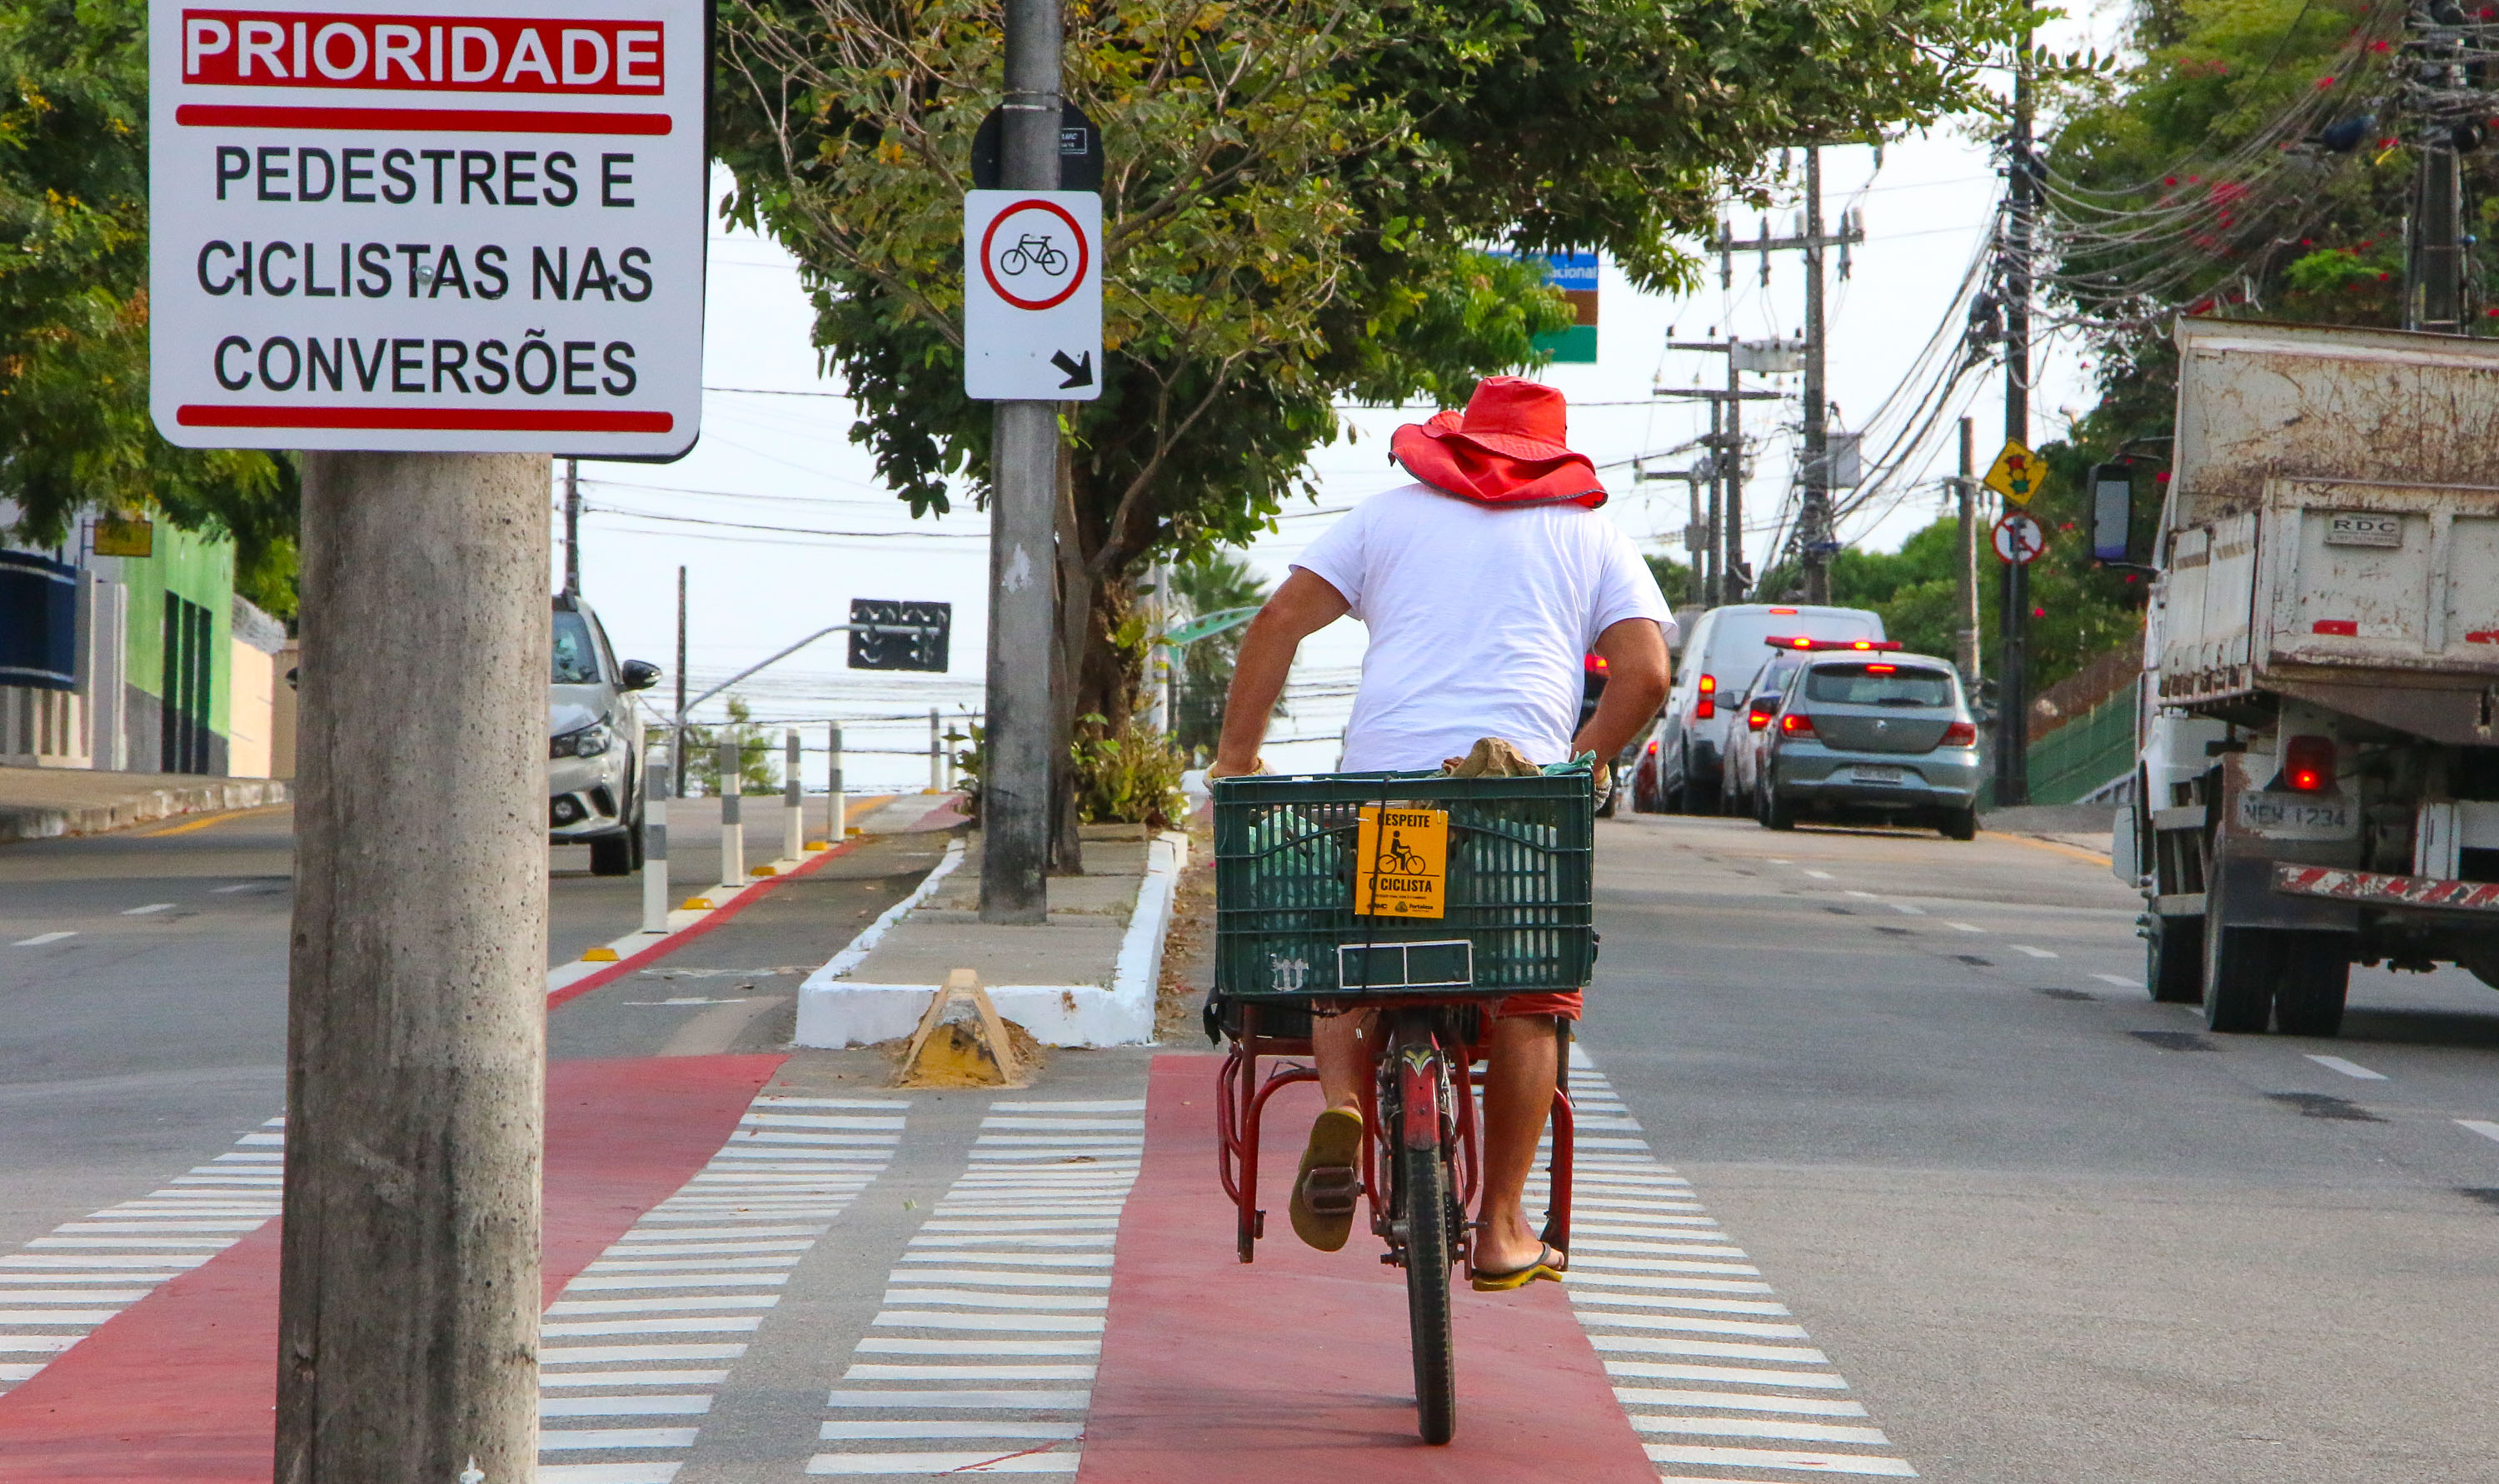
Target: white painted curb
[[835, 1011]]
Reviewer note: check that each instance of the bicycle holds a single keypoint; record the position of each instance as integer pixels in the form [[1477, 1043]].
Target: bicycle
[[1517, 919], [1032, 251]]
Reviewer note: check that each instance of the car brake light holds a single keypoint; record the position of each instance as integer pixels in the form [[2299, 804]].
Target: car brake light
[[1783, 610], [1652, 746], [2308, 765], [1709, 706], [1882, 670], [1756, 721], [1594, 664], [1961, 734], [1800, 641], [1795, 724]]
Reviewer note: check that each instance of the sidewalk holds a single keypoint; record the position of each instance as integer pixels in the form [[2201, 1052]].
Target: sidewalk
[[1089, 979], [40, 803], [2084, 828]]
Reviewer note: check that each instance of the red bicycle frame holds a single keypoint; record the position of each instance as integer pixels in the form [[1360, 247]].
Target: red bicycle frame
[[1241, 1101]]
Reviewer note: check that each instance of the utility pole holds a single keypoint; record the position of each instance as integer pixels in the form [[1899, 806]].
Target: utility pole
[[1727, 462], [1813, 527], [2012, 682], [416, 999], [677, 743], [572, 528], [2435, 80], [1024, 495], [1695, 538], [1966, 640], [1719, 464]]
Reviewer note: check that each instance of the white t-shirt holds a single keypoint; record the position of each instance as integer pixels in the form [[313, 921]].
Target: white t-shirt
[[1480, 617]]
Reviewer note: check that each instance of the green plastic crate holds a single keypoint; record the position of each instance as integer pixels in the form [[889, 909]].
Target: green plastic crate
[[1518, 909]]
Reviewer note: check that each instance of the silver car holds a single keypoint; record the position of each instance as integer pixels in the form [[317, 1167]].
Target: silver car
[[595, 743], [1878, 738]]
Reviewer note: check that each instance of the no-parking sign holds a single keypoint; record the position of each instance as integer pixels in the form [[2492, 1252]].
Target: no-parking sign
[[1032, 296]]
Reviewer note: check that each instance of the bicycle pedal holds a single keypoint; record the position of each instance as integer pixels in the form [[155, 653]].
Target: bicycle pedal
[[1330, 1192]]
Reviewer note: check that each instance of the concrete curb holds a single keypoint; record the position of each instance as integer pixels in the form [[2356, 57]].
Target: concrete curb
[[209, 796], [835, 1011]]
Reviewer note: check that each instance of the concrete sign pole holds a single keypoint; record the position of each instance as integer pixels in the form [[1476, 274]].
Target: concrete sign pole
[[733, 823], [836, 824], [656, 763], [416, 1011], [794, 800], [1024, 609]]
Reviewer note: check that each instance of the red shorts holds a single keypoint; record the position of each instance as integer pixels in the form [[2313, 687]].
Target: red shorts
[[1519, 1006]]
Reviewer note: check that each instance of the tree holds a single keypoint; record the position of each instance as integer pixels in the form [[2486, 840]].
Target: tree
[[1295, 202], [1215, 583], [75, 432], [755, 754]]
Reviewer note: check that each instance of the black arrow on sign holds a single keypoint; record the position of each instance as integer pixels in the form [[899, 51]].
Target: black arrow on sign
[[1080, 371]]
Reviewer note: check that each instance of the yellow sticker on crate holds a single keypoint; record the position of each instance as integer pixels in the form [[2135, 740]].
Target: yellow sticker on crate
[[1402, 865]]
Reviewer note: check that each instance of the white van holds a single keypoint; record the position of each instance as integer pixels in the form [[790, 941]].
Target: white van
[[1723, 651]]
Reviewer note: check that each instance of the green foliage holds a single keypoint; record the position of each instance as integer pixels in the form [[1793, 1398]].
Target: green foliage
[[1126, 773], [74, 433], [755, 754], [1212, 584], [1674, 578], [2078, 611], [1295, 202]]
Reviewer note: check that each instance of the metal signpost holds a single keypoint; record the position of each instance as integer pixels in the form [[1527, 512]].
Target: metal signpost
[[1032, 339], [428, 246]]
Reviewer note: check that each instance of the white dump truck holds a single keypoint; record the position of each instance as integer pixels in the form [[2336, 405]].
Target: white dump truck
[[2317, 721]]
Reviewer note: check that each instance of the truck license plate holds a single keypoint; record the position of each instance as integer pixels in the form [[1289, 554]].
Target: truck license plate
[[2294, 816], [1867, 772]]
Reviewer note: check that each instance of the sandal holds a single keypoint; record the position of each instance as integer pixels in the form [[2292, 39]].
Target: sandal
[[1323, 1192], [1549, 1265]]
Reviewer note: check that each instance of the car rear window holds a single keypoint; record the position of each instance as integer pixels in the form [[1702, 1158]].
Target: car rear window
[[1872, 684]]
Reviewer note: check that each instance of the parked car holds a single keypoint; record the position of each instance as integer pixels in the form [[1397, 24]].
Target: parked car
[[1593, 670], [1757, 703], [1682, 760], [1886, 741], [595, 742]]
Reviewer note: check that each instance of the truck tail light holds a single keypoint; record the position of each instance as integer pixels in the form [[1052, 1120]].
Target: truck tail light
[[1795, 724], [2308, 765], [1709, 706], [1960, 734]]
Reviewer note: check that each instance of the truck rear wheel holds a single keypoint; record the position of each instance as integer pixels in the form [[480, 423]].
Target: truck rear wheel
[[2173, 960], [2315, 979], [2239, 967]]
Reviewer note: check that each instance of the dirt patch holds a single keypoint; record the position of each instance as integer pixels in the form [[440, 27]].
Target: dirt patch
[[1188, 947], [955, 1057]]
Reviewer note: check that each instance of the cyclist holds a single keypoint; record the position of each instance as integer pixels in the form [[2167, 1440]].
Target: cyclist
[[1483, 585]]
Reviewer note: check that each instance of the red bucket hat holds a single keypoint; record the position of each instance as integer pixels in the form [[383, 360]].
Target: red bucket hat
[[1508, 449]]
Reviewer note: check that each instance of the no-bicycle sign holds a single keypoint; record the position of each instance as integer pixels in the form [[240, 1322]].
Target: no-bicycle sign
[[1032, 296], [428, 225]]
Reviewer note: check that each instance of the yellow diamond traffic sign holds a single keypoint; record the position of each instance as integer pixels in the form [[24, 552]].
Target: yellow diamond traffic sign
[[2015, 474]]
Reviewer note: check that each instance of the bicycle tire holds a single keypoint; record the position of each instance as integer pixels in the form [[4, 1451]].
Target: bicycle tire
[[1424, 1181]]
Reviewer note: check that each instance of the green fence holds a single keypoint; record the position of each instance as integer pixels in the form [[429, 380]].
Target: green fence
[[2085, 753]]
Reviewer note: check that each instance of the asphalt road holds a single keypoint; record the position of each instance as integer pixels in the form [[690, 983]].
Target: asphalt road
[[2047, 1229], [142, 986]]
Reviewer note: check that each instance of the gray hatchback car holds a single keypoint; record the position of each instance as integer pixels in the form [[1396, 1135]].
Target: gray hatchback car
[[1879, 737]]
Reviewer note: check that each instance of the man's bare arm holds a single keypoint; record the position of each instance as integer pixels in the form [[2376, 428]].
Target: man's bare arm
[[1636, 678], [1303, 606]]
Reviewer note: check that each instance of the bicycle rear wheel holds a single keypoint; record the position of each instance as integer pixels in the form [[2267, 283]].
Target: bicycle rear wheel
[[1425, 1179]]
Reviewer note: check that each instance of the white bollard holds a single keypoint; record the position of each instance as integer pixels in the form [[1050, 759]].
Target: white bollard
[[732, 831], [936, 776], [657, 767], [794, 800], [837, 818]]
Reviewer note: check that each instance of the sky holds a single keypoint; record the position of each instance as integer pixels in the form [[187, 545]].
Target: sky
[[778, 520]]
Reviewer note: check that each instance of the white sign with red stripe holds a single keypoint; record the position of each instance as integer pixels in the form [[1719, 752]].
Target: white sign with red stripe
[[1032, 296], [438, 225]]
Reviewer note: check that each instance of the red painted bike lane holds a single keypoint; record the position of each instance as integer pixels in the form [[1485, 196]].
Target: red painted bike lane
[[1297, 1367], [181, 1386]]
